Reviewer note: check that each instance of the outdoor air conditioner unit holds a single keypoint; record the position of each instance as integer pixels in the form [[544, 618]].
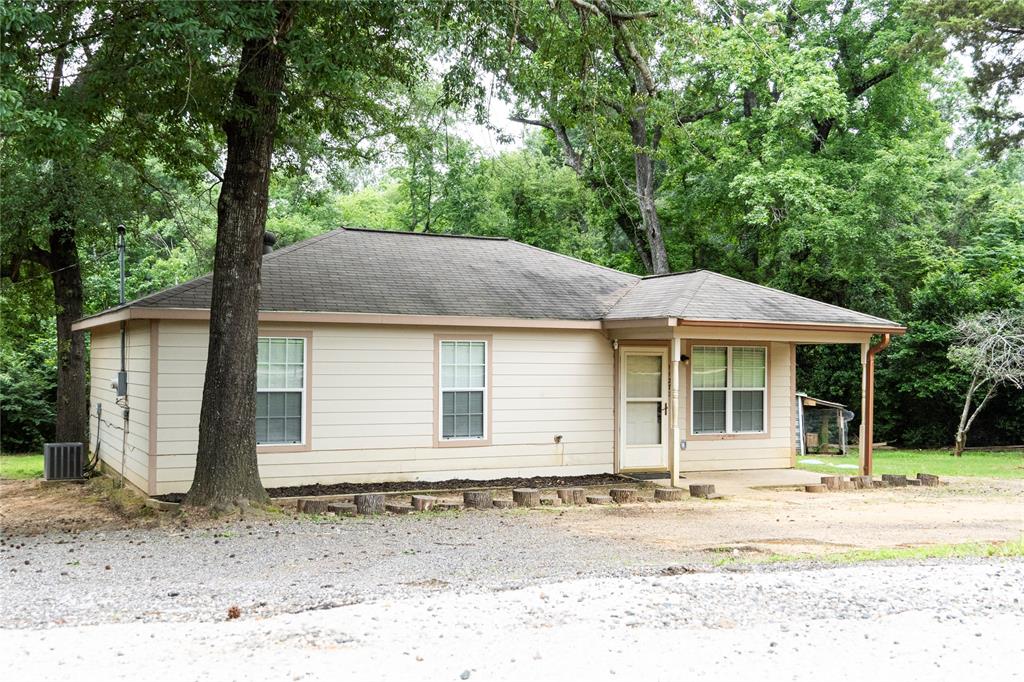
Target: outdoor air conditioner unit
[[63, 461]]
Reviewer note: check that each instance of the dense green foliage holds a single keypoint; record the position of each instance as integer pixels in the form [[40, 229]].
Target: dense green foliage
[[837, 153]]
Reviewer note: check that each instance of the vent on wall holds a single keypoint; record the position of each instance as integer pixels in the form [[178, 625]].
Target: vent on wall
[[63, 461]]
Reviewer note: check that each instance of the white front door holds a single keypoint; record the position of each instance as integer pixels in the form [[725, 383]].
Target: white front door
[[643, 410]]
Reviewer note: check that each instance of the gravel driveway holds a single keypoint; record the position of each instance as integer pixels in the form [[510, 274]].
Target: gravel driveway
[[290, 566], [936, 621]]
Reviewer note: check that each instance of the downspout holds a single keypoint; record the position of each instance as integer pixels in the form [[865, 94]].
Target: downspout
[[869, 403]]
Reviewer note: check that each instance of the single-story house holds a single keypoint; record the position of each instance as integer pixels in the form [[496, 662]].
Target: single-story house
[[403, 356]]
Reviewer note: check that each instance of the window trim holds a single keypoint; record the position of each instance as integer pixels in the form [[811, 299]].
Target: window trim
[[307, 390], [728, 435], [488, 341]]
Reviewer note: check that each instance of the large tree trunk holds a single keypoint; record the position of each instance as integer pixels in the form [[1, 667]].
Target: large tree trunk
[[72, 403], [226, 463], [644, 166]]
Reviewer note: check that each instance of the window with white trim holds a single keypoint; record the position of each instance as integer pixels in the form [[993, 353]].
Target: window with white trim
[[463, 389], [280, 390], [728, 389]]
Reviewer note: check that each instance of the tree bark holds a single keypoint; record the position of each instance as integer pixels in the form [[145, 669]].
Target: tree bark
[[643, 164], [226, 461], [967, 417], [72, 403]]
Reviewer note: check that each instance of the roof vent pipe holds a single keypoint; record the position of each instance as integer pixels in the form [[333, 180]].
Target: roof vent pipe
[[269, 239]]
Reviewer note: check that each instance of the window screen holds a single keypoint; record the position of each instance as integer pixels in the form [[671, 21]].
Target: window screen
[[463, 385], [280, 390]]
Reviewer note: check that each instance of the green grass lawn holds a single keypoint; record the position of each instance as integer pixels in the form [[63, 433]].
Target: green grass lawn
[[21, 466], [938, 462]]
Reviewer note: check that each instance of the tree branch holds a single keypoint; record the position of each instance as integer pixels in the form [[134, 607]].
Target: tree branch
[[532, 122], [683, 119], [862, 87], [601, 8]]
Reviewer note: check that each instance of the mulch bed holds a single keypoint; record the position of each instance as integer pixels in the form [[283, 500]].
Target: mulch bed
[[450, 484]]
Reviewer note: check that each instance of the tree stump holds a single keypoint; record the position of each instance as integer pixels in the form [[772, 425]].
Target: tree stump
[[623, 495], [478, 499], [702, 490], [914, 481], [314, 506], [423, 502], [550, 501], [599, 499], [861, 481], [572, 495], [526, 497], [847, 485], [448, 505], [832, 482], [815, 488], [502, 504], [928, 480], [895, 480], [668, 494], [368, 504], [341, 508], [399, 508]]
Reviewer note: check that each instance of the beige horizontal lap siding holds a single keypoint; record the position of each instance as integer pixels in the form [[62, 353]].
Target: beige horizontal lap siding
[[105, 361], [774, 449], [372, 413]]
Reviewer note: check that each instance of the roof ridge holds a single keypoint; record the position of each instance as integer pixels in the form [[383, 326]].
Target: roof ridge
[[694, 293], [805, 298], [574, 258], [625, 291], [426, 234], [675, 274]]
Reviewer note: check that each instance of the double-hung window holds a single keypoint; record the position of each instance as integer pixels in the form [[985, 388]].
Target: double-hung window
[[463, 389], [280, 390], [729, 393]]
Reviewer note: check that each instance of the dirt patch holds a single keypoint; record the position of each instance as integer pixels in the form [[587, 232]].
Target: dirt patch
[[33, 506], [453, 484], [791, 522]]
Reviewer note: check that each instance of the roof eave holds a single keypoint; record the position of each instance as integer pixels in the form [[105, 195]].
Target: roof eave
[[308, 317], [795, 325]]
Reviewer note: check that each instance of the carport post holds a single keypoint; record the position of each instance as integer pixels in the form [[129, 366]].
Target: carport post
[[867, 427]]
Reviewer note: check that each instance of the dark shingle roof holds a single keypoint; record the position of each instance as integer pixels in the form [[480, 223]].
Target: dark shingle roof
[[353, 270], [706, 295], [403, 273]]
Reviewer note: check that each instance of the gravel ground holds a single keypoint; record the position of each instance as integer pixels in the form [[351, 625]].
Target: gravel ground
[[290, 566], [932, 621]]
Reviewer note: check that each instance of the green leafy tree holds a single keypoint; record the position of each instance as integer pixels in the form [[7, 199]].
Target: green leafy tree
[[257, 78], [991, 32]]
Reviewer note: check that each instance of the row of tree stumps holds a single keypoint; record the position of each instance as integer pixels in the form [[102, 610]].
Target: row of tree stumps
[[835, 483], [370, 504]]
